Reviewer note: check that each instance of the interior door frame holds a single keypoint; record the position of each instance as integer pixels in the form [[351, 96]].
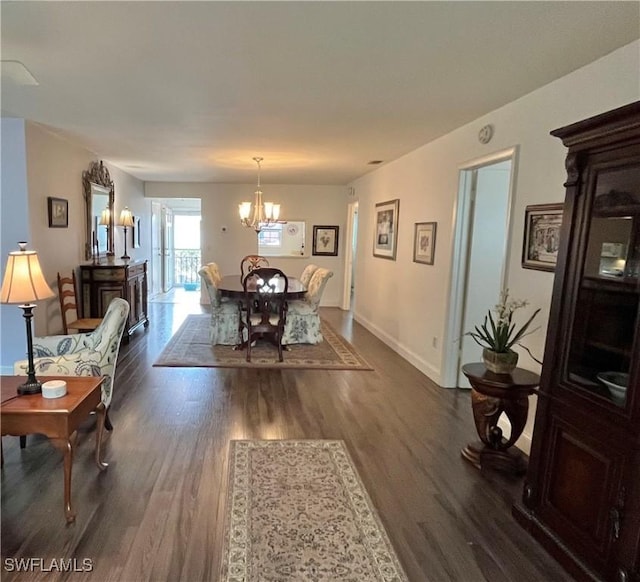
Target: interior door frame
[[349, 255], [460, 246], [156, 247]]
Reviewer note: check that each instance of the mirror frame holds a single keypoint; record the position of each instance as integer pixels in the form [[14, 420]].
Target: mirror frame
[[98, 175]]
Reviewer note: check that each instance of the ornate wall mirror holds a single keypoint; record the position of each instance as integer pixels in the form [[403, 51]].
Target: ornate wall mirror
[[99, 196]]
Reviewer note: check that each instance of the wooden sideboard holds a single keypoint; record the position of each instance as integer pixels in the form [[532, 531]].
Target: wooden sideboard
[[100, 283]]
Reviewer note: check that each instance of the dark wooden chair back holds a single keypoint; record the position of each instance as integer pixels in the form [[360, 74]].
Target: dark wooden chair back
[[251, 262], [69, 309], [265, 297]]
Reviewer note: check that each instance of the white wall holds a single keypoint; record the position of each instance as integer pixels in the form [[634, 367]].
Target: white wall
[[54, 168], [37, 164], [412, 307], [14, 215], [323, 205], [129, 191]]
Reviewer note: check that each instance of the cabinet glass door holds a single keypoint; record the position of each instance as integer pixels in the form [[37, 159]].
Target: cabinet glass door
[[605, 320]]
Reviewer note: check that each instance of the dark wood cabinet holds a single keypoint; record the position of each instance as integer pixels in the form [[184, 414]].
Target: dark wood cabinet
[[581, 498], [100, 283]]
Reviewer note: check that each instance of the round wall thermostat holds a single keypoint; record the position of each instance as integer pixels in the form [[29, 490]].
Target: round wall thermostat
[[485, 134]]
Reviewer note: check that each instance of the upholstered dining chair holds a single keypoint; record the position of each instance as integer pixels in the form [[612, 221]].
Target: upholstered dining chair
[[307, 273], [69, 307], [266, 306], [83, 354], [303, 320], [251, 262], [225, 315]]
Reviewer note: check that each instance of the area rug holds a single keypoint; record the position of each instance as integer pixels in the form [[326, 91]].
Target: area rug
[[190, 347], [297, 511]]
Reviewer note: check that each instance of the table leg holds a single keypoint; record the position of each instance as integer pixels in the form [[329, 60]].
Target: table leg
[[494, 450], [101, 414], [66, 447]]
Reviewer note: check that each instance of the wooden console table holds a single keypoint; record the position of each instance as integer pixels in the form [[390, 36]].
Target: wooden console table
[[57, 418], [491, 395], [102, 282]]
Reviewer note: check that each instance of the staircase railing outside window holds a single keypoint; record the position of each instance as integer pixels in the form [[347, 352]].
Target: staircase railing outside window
[[187, 263]]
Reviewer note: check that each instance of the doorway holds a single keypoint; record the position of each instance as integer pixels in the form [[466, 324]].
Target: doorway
[[176, 254], [351, 244], [481, 254]]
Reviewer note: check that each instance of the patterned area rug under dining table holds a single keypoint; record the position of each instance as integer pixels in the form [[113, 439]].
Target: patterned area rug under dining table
[[190, 347], [298, 511]]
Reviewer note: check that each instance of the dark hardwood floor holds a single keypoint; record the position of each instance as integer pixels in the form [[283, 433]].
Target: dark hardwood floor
[[157, 512]]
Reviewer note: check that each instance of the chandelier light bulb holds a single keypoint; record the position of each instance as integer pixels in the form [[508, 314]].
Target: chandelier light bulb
[[261, 213]]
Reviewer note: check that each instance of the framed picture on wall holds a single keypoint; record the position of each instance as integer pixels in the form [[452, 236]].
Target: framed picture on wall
[[135, 232], [58, 212], [325, 240], [542, 224], [385, 229], [424, 242]]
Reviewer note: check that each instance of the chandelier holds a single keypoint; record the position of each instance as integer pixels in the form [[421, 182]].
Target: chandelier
[[264, 214]]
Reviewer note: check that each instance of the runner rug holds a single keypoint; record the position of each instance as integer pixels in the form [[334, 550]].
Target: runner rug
[[297, 511], [190, 347]]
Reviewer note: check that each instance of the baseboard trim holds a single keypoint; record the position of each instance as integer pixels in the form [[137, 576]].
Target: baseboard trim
[[411, 357]]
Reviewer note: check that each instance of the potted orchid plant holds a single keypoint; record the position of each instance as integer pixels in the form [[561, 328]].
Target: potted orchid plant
[[498, 334]]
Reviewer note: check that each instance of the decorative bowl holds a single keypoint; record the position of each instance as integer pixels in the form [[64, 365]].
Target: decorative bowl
[[617, 383]]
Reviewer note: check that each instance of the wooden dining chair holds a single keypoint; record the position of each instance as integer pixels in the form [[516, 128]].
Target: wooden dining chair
[[266, 306], [251, 262], [69, 307]]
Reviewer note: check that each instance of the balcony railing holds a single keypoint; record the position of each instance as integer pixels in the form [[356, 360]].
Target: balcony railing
[[186, 264]]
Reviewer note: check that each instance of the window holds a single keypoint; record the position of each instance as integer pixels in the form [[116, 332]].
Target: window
[[284, 239], [271, 236]]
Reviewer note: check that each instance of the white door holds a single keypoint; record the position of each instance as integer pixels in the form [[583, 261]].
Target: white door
[[350, 248], [167, 249], [156, 248], [486, 256]]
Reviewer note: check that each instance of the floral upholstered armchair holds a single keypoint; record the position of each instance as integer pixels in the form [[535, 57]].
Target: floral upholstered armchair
[[303, 321], [83, 354], [225, 315], [307, 273]]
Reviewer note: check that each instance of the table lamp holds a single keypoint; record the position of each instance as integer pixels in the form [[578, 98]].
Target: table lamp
[[105, 220], [24, 283], [126, 220]]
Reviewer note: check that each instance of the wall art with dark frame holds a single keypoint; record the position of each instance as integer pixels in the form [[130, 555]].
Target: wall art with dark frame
[[424, 242], [325, 240], [135, 233], [542, 224], [385, 229], [58, 212]]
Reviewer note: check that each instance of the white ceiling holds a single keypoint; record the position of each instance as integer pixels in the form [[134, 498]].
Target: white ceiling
[[191, 91]]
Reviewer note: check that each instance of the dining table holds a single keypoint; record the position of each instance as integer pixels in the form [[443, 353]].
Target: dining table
[[231, 286]]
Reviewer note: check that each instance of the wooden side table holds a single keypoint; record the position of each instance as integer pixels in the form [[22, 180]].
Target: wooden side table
[[57, 418], [491, 395]]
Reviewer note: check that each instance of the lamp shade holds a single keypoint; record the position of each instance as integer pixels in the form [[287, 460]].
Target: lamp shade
[[23, 279], [105, 218], [126, 218]]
